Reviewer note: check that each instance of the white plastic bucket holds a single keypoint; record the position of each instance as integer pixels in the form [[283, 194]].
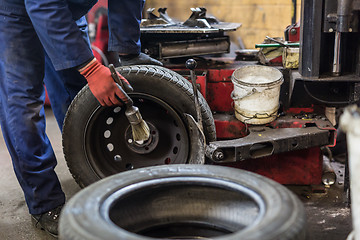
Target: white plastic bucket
[[256, 93]]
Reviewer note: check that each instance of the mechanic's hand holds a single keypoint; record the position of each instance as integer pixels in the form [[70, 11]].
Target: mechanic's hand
[[102, 85]]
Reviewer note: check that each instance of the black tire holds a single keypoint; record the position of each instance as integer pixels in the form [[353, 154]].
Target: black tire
[[95, 149], [184, 201]]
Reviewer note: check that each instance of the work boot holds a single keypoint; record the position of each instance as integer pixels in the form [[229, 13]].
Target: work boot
[[135, 59], [48, 221]]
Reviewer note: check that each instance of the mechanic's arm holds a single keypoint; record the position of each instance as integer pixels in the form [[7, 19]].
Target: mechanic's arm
[[63, 42]]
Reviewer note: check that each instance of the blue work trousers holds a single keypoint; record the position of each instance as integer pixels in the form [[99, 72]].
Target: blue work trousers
[[22, 117], [27, 61], [124, 25]]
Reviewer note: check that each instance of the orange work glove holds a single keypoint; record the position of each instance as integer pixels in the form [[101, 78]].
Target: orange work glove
[[102, 85]]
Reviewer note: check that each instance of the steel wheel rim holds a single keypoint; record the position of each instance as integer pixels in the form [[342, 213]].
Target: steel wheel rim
[[106, 138]]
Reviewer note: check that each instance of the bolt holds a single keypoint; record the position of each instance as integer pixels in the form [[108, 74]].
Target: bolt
[[130, 140], [293, 31], [219, 155]]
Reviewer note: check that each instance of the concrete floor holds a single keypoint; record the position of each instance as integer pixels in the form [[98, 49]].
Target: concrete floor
[[328, 215]]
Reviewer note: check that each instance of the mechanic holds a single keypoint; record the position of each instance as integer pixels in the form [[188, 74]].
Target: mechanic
[[46, 41]]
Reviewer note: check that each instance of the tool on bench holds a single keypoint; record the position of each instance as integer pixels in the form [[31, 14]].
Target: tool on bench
[[140, 129]]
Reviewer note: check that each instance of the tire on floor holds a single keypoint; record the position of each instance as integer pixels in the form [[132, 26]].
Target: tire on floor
[[184, 202]]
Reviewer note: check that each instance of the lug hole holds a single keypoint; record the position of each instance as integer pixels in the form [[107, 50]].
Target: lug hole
[[117, 109], [110, 147], [109, 121], [107, 134]]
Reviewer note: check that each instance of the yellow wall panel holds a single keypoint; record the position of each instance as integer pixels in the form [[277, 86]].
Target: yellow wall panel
[[259, 18]]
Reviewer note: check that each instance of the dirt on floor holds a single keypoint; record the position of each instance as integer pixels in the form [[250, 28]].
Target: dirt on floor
[[327, 208]]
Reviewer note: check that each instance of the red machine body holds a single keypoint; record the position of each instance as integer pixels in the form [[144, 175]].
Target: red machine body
[[301, 167]]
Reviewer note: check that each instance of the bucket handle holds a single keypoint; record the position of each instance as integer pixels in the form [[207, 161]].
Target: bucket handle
[[251, 92]]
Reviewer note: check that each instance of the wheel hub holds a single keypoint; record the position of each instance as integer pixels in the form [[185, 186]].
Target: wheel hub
[[142, 147]]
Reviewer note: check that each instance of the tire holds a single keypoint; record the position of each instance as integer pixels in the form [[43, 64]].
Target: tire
[[184, 202], [97, 140]]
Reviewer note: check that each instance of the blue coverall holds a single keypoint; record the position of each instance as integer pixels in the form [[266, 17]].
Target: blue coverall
[[41, 41]]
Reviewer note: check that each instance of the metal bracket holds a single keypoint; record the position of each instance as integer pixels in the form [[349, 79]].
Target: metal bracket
[[283, 135], [197, 148], [165, 16], [153, 20], [198, 19], [266, 143]]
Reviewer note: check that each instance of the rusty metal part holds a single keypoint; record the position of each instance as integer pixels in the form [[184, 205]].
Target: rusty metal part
[[189, 48], [163, 37], [178, 28], [247, 54], [153, 20], [198, 18], [229, 127], [283, 135], [142, 147], [267, 143], [198, 22], [164, 15]]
